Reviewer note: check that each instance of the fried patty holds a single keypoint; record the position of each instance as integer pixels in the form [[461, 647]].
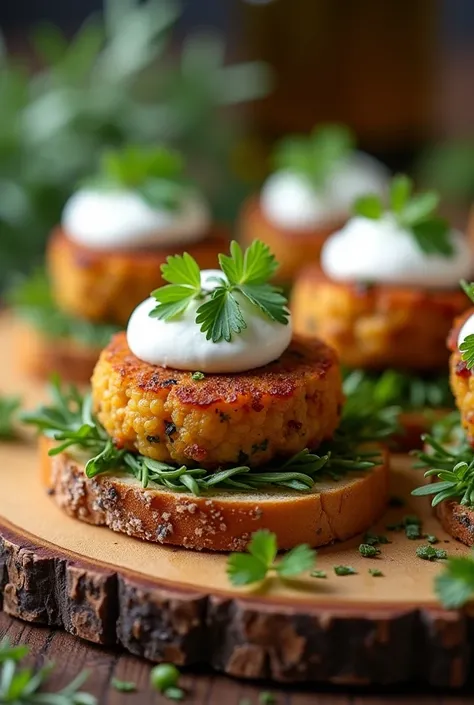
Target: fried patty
[[106, 285], [293, 249], [378, 326], [461, 378], [223, 419]]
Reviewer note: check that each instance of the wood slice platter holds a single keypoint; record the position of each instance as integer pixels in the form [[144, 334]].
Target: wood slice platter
[[176, 605]]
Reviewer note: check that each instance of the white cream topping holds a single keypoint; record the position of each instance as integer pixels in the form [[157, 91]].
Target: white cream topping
[[467, 329], [289, 199], [181, 345], [121, 219], [381, 251]]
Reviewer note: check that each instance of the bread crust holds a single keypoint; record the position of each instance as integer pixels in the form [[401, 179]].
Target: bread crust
[[379, 326], [39, 356], [293, 249], [221, 521], [224, 419], [457, 520], [106, 285]]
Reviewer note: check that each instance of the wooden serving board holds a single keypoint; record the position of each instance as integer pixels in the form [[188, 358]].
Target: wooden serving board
[[177, 605]]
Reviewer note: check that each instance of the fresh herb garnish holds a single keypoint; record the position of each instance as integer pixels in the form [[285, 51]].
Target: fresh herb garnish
[[344, 570], [376, 573], [318, 574], [32, 300], [123, 686], [428, 553], [157, 174], [368, 550], [375, 539], [414, 213], [451, 463], [413, 531], [8, 409], [69, 420], [20, 685], [245, 277], [165, 678], [393, 388], [431, 539], [315, 156], [455, 586], [198, 376], [467, 346], [260, 559]]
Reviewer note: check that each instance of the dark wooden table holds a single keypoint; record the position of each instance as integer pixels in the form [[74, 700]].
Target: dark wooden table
[[72, 655]]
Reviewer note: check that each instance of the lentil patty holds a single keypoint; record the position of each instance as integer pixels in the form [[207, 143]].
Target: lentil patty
[[293, 249], [375, 327], [462, 379], [246, 418], [106, 285]]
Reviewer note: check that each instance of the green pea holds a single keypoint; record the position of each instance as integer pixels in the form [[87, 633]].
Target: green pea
[[164, 676]]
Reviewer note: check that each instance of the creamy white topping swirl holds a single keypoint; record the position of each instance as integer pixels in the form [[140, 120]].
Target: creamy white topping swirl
[[381, 251], [121, 219], [289, 199], [179, 343]]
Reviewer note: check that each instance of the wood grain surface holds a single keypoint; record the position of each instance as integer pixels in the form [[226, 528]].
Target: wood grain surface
[[202, 688]]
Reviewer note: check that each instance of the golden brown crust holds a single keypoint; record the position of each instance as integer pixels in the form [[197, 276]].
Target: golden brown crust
[[250, 417], [221, 521], [293, 249], [106, 285], [456, 520], [461, 378], [378, 326], [40, 356]]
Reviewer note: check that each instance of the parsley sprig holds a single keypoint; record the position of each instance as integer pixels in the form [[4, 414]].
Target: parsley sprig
[[70, 422], [21, 685], [220, 315], [260, 559], [455, 586], [415, 213], [316, 155], [467, 346], [450, 459], [157, 174]]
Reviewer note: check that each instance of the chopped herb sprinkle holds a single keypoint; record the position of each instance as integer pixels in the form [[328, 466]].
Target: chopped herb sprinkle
[[431, 539], [367, 550], [428, 553], [375, 539], [344, 570], [198, 376], [318, 574], [123, 686], [413, 531], [376, 573]]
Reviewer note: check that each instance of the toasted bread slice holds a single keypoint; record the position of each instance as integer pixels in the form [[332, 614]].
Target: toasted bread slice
[[217, 521], [457, 520]]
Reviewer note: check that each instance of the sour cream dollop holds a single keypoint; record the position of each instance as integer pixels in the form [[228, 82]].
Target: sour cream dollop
[[381, 251], [289, 200], [121, 219], [181, 345], [467, 329]]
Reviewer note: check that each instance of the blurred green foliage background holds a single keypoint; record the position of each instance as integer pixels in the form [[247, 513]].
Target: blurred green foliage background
[[119, 79]]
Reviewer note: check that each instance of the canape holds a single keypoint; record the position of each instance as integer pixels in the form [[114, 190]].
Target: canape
[[309, 195], [385, 294], [117, 230], [448, 457], [209, 420]]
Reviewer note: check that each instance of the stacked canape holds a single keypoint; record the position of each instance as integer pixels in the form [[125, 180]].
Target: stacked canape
[[209, 421], [117, 230], [448, 456], [385, 293], [310, 195]]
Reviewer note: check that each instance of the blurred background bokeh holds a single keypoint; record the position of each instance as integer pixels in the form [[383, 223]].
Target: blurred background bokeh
[[222, 79]]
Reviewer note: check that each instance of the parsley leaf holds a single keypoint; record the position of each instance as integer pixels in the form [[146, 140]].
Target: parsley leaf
[[220, 314], [252, 567], [315, 156], [455, 586], [467, 351], [415, 213]]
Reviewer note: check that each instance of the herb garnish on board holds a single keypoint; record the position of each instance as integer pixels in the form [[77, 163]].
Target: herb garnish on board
[[69, 421], [316, 155], [157, 174], [467, 346], [245, 276], [415, 213]]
